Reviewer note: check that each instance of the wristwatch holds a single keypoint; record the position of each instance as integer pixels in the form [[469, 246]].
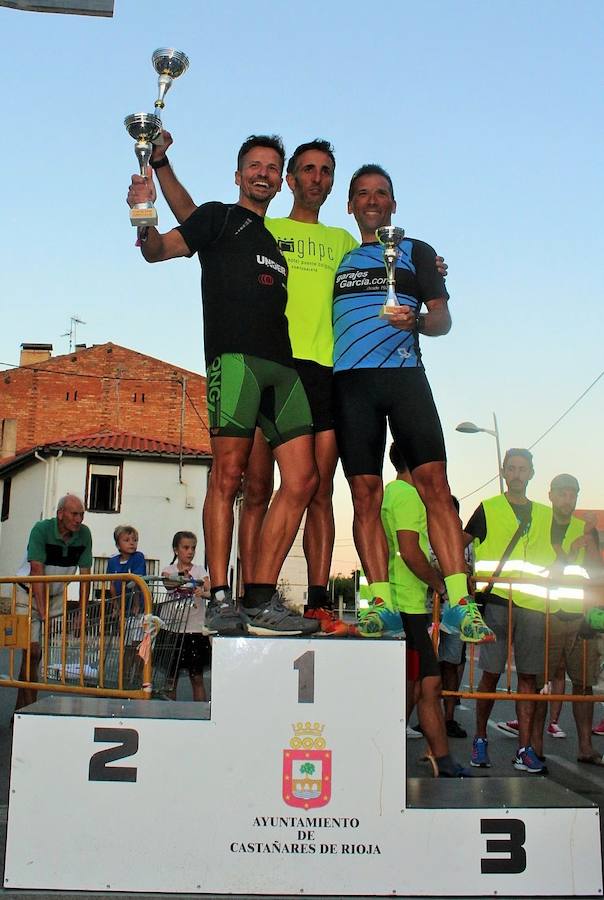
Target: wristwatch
[[160, 163]]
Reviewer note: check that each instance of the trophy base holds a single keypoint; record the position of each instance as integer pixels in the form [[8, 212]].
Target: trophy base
[[386, 311], [143, 217]]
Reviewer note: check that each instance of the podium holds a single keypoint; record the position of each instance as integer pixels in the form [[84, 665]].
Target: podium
[[293, 783]]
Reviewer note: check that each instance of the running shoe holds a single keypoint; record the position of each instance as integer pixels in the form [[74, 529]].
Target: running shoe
[[379, 621], [480, 754], [414, 734], [465, 620], [526, 760], [554, 730], [223, 617], [599, 728], [458, 771], [329, 624], [510, 727], [454, 729], [276, 620]]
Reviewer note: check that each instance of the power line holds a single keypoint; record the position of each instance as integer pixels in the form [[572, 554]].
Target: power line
[[572, 406], [545, 433], [197, 413]]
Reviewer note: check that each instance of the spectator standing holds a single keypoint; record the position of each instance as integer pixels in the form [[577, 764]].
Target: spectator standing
[[196, 652], [61, 545], [128, 559], [511, 536], [569, 651]]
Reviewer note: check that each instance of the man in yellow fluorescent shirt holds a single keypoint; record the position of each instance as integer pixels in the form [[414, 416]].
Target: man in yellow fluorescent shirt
[[410, 572]]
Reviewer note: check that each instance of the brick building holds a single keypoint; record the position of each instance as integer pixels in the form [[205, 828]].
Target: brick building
[[100, 388]]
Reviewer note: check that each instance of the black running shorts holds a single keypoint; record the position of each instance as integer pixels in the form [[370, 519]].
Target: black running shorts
[[418, 641], [318, 384], [366, 399]]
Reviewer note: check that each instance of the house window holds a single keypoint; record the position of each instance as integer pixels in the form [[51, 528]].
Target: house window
[[6, 485], [103, 489]]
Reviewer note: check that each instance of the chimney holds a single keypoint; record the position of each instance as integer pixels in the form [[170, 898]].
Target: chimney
[[80, 347], [34, 353], [8, 447]]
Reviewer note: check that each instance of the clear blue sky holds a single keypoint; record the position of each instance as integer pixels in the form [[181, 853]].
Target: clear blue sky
[[488, 116]]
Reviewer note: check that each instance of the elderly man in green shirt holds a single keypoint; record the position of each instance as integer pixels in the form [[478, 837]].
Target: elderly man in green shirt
[[58, 546]]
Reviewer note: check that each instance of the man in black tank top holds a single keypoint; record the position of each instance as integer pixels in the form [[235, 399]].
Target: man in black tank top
[[250, 379]]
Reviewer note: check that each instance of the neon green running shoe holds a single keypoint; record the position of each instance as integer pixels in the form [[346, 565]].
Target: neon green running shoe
[[379, 621], [465, 620]]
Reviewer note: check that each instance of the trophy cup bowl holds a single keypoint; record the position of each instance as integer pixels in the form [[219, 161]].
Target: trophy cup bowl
[[169, 64], [144, 128], [390, 237]]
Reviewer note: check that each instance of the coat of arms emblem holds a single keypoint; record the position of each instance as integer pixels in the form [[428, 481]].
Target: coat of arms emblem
[[307, 767]]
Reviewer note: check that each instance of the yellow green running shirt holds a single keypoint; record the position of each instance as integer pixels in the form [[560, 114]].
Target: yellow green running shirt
[[314, 253], [403, 510]]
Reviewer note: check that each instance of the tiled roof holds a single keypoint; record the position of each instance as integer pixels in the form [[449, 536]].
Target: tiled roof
[[124, 442], [109, 442]]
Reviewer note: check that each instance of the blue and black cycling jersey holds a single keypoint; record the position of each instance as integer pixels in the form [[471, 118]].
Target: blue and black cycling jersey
[[362, 340]]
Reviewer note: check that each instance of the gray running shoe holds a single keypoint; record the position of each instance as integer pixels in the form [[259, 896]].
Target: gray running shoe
[[275, 619], [223, 617]]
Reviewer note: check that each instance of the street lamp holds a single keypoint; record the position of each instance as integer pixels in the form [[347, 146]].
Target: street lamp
[[471, 428]]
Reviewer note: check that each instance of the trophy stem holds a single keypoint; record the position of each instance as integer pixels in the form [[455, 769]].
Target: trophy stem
[[143, 150], [165, 83], [390, 257]]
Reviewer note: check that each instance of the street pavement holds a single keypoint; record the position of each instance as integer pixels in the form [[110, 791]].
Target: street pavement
[[587, 781]]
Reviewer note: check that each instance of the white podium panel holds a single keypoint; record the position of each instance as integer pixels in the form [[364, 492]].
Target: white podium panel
[[295, 784]]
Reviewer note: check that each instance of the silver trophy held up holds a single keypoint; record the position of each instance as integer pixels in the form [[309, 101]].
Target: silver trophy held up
[[169, 64], [144, 128], [390, 237]]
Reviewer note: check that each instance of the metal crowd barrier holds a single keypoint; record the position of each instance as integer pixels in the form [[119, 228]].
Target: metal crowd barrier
[[591, 591], [97, 645]]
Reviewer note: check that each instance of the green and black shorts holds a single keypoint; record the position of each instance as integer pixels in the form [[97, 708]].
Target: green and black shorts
[[245, 391]]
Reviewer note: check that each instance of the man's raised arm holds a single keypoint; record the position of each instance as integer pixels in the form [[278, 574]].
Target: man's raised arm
[[157, 247]]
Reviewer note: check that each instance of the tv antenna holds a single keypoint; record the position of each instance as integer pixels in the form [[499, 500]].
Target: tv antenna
[[74, 321]]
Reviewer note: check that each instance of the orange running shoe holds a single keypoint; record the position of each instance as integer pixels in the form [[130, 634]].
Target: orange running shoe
[[329, 624]]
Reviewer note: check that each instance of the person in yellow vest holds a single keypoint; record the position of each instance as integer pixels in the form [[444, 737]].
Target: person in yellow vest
[[577, 553], [410, 572], [512, 525]]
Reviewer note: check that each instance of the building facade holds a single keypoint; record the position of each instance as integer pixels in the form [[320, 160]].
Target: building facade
[[157, 487]]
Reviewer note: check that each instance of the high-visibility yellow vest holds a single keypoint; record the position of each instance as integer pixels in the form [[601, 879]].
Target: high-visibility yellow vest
[[563, 596], [532, 555]]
